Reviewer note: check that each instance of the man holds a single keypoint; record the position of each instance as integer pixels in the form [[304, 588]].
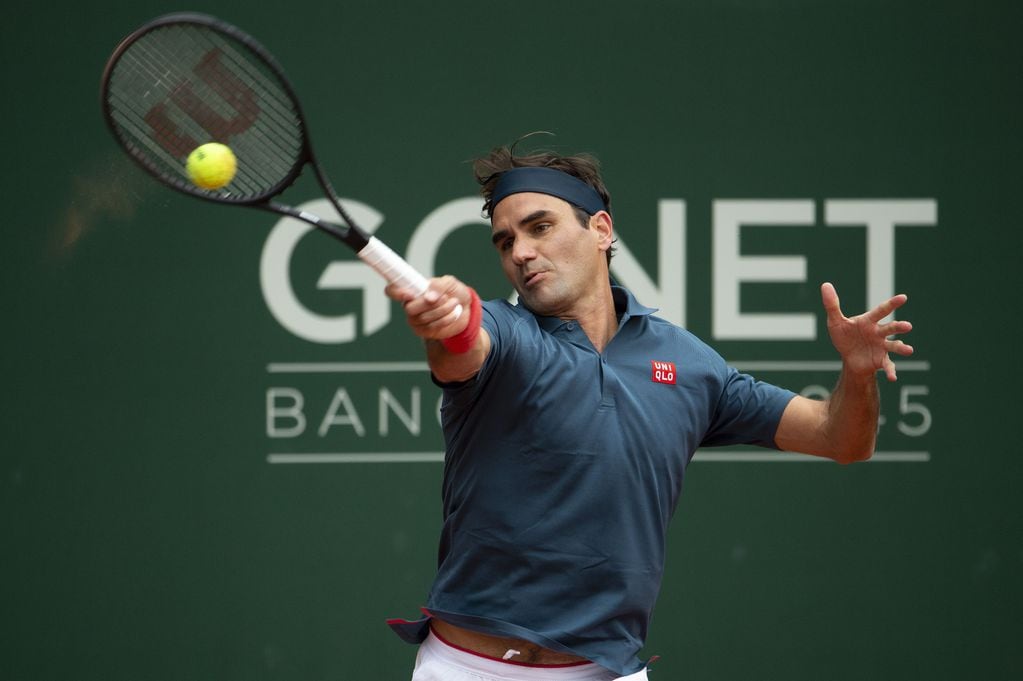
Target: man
[[569, 420]]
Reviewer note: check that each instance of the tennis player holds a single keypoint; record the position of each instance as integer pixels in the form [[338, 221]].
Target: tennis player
[[569, 419]]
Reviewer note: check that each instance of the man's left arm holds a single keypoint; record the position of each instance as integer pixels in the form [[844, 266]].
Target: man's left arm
[[844, 427]]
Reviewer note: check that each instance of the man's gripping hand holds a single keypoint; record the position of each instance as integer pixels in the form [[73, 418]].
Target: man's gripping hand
[[440, 312], [456, 345]]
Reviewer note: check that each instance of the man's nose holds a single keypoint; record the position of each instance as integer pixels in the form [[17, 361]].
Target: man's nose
[[522, 251]]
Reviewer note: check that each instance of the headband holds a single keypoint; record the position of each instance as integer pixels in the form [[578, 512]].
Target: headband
[[547, 181]]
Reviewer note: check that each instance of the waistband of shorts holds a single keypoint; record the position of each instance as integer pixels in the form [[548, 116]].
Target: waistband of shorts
[[508, 669]]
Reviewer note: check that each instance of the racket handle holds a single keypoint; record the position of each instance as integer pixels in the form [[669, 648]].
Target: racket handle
[[392, 266], [394, 269]]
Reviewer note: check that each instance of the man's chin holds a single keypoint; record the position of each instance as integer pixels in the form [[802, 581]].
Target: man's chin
[[537, 304]]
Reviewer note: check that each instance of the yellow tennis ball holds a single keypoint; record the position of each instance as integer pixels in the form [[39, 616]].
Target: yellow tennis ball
[[212, 165]]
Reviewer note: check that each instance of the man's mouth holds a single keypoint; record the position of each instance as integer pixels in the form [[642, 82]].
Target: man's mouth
[[531, 277]]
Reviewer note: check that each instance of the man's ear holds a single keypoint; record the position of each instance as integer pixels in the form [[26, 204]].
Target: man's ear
[[601, 223]]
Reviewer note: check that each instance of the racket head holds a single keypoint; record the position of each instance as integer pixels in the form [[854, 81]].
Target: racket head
[[185, 79]]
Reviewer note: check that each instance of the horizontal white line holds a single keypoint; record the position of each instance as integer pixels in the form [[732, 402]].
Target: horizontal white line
[[702, 456], [399, 367], [901, 457], [344, 367], [817, 366], [358, 457], [790, 457]]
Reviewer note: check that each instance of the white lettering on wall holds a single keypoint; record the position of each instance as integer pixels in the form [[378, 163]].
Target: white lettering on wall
[[668, 295], [388, 404], [731, 269], [290, 412], [880, 218], [287, 309], [435, 227], [341, 412]]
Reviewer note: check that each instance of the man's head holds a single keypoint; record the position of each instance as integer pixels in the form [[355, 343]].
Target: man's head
[[551, 226], [584, 167]]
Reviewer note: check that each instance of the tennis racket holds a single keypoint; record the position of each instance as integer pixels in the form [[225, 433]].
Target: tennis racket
[[185, 79]]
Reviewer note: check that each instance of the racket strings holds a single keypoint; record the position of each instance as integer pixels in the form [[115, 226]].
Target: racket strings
[[181, 85], [203, 98]]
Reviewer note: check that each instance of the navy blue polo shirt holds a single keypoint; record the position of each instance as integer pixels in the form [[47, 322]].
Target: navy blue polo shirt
[[563, 469]]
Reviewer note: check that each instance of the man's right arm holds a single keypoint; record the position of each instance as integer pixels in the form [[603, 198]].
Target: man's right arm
[[434, 317], [451, 367]]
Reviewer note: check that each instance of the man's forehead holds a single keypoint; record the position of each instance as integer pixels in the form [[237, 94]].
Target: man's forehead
[[518, 207]]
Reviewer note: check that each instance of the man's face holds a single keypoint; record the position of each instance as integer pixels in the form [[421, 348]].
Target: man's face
[[553, 261]]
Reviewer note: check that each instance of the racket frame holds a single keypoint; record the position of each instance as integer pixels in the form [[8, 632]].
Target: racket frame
[[350, 233]]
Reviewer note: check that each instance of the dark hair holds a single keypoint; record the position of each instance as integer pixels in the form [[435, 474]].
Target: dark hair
[[487, 169]]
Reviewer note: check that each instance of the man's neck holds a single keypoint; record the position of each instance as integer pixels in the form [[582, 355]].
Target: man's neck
[[598, 320]]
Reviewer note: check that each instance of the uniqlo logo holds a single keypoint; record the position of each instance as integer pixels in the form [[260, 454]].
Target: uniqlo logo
[[663, 372]]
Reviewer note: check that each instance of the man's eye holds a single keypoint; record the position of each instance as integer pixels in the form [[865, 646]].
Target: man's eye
[[541, 227]]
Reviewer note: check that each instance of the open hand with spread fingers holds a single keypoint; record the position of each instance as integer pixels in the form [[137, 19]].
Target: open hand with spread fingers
[[863, 341]]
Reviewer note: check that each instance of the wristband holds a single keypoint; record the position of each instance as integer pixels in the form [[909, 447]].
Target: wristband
[[466, 338]]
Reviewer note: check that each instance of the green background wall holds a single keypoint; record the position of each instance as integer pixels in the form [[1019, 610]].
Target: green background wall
[[146, 531]]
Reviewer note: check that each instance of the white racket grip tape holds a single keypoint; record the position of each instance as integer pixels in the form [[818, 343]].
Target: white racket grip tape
[[392, 266], [394, 269]]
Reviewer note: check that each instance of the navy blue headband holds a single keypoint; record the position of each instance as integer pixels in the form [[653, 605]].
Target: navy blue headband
[[547, 181]]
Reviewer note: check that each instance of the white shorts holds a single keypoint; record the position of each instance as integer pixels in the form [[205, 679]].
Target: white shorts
[[439, 661]]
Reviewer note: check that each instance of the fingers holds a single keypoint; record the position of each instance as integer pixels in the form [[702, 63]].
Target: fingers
[[896, 327], [899, 348], [422, 313], [437, 313], [448, 287], [887, 307], [894, 345], [889, 369], [829, 297]]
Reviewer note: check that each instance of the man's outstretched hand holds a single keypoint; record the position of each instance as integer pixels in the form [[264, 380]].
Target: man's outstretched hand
[[863, 342]]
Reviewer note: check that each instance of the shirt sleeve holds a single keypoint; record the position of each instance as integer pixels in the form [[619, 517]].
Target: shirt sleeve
[[747, 412]]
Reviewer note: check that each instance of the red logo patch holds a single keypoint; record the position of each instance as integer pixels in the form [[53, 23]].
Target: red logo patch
[[662, 372]]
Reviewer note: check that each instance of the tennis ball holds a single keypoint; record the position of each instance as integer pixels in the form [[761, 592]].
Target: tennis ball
[[212, 165]]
